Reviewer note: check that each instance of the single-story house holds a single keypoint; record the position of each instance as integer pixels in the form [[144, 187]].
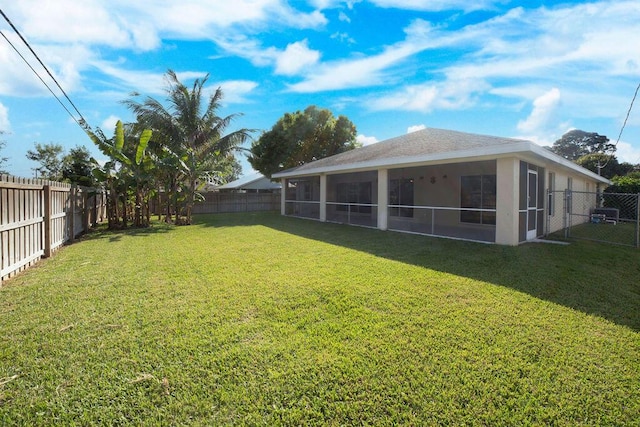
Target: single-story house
[[441, 183], [253, 183]]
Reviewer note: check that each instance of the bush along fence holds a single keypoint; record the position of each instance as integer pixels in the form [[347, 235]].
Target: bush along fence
[[37, 217]]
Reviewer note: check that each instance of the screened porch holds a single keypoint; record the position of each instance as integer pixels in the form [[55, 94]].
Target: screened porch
[[456, 200], [302, 197], [352, 198]]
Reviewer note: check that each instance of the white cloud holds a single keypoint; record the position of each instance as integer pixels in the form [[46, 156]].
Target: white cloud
[[424, 98], [17, 79], [366, 71], [141, 24], [436, 5], [70, 35], [295, 57], [109, 124], [415, 128], [5, 126], [366, 140], [352, 73], [344, 17], [577, 42], [148, 83], [412, 98], [626, 152], [343, 37], [543, 108], [332, 4], [68, 21], [235, 91]]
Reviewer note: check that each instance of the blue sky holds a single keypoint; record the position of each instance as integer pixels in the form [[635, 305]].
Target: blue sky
[[525, 69]]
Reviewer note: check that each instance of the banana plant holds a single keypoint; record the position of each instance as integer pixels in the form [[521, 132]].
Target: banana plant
[[126, 164]]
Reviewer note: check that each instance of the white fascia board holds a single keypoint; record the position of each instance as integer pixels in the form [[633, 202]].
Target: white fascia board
[[553, 157], [476, 154]]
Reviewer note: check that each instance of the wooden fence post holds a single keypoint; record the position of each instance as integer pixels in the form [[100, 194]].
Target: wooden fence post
[[47, 220], [72, 225], [86, 217], [95, 209]]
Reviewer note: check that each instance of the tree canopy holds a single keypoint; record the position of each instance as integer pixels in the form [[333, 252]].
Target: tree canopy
[[77, 167], [578, 143], [629, 183], [608, 165], [48, 157], [301, 137]]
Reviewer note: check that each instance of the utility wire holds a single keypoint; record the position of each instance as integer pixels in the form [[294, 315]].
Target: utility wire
[[39, 77], [82, 122], [600, 167], [628, 113]]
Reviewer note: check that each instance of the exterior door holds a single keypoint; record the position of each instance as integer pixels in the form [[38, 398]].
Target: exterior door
[[532, 204]]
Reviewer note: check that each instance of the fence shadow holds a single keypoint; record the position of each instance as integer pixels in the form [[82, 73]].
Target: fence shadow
[[594, 278], [114, 235]]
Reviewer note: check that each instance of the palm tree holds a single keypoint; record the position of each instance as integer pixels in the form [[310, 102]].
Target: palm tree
[[192, 130]]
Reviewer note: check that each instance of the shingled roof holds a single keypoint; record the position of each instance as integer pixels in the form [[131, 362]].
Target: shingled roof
[[425, 146]]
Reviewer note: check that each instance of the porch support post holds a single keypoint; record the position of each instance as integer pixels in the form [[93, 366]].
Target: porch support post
[[383, 198], [283, 196], [507, 201], [323, 198]]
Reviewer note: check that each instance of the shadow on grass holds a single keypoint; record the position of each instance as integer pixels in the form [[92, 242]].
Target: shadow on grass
[[114, 235], [594, 278]]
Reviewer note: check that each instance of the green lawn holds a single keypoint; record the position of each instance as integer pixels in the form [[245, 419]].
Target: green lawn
[[622, 233], [256, 319]]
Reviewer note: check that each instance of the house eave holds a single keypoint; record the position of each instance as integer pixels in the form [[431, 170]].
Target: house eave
[[520, 148]]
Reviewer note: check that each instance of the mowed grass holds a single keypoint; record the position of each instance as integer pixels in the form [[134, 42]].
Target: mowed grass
[[257, 319], [623, 233]]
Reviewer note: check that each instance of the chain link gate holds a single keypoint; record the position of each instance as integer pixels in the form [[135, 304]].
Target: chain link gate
[[603, 217]]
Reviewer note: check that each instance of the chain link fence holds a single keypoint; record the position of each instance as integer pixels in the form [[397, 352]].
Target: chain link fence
[[604, 217]]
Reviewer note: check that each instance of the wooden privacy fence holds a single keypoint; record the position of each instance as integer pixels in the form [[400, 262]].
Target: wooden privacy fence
[[215, 202], [237, 202], [38, 216]]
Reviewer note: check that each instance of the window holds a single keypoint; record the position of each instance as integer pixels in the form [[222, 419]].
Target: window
[[354, 192], [401, 193], [478, 192]]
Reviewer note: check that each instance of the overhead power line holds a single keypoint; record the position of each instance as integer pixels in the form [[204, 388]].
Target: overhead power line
[[81, 122], [624, 124], [628, 113]]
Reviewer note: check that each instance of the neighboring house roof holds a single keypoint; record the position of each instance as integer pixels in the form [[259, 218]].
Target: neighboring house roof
[[431, 145], [255, 181]]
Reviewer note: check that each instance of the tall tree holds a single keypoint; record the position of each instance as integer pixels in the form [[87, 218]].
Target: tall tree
[[301, 137], [577, 143], [605, 165], [48, 158], [77, 167], [192, 129]]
